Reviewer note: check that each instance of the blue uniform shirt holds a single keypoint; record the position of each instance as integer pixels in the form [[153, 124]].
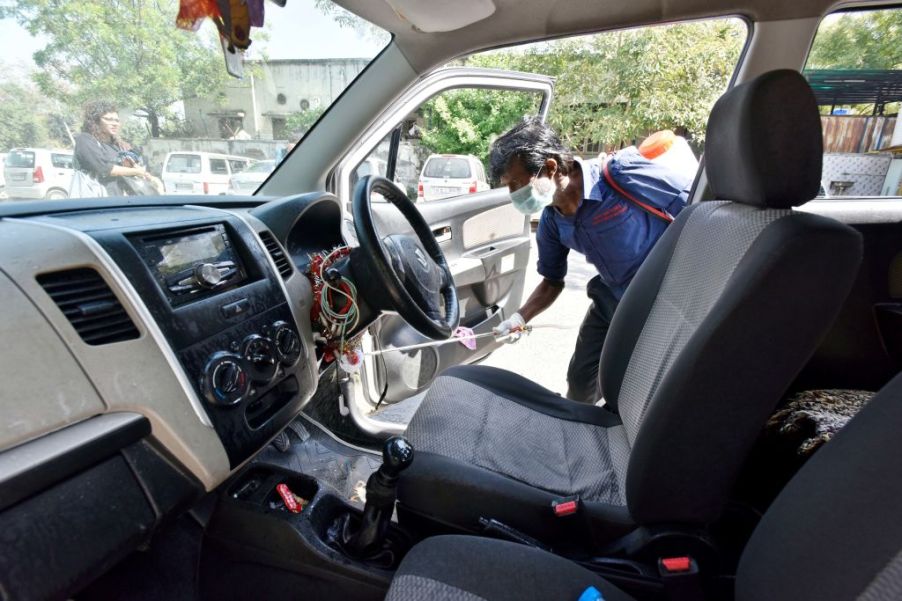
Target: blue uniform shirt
[[612, 232]]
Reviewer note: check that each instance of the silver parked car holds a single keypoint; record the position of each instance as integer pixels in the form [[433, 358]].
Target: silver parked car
[[447, 175], [32, 173], [250, 179]]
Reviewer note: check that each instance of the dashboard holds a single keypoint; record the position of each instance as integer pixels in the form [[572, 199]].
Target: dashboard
[[150, 348]]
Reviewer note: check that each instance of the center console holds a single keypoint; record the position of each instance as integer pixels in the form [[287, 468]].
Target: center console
[[209, 284], [283, 530]]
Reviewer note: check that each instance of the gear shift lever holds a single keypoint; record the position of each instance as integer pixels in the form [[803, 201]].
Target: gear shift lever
[[381, 492]]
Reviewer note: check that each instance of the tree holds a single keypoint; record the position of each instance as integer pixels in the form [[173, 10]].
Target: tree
[[349, 20], [465, 121], [125, 51], [613, 88], [20, 124], [859, 40], [28, 118], [298, 123]]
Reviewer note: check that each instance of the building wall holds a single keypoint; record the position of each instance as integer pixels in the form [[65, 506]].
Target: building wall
[[853, 174], [272, 90], [854, 133]]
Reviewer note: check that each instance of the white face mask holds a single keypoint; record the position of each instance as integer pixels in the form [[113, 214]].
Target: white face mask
[[534, 197]]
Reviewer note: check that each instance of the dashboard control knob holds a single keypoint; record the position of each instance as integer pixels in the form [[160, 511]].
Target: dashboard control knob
[[288, 343], [260, 356], [207, 275], [225, 381]]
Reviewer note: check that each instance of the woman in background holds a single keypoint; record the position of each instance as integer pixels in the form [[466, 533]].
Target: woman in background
[[102, 154]]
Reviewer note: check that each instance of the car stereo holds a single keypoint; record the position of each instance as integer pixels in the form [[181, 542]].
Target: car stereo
[[191, 264]]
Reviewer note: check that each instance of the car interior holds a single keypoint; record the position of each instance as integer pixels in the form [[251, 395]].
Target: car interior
[[181, 418]]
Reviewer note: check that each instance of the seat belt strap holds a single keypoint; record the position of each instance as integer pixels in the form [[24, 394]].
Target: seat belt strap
[[660, 214]]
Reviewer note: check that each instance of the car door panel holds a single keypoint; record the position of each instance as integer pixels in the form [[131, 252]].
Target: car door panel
[[486, 243]]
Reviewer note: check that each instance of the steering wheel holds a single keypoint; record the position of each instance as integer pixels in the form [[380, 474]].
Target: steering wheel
[[410, 271]]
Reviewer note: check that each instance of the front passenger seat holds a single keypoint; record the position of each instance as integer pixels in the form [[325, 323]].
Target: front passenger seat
[[726, 310]]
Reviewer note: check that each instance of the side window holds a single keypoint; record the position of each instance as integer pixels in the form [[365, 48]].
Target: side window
[[237, 165], [218, 167], [855, 70], [444, 144], [61, 161]]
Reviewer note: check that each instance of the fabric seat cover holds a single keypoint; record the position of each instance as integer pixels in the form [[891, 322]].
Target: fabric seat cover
[[833, 534], [726, 310]]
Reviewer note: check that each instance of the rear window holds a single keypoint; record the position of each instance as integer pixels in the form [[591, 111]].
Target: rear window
[[20, 158], [218, 166], [447, 167], [261, 167], [183, 163], [237, 166], [61, 161]]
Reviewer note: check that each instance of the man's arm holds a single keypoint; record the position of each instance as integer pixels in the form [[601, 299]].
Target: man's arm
[[541, 298]]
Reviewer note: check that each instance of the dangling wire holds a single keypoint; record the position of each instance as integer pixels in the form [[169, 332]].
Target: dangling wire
[[348, 316]]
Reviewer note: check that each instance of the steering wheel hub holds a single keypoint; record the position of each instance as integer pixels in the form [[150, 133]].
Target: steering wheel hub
[[408, 273]]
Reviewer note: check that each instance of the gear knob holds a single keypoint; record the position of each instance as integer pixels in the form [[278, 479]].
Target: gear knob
[[397, 455]]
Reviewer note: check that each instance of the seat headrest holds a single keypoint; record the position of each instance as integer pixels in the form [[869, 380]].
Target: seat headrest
[[764, 145]]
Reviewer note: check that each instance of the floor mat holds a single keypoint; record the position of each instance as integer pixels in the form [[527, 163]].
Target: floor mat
[[304, 447]]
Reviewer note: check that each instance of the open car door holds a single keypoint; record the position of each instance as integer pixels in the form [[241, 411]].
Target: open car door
[[433, 143]]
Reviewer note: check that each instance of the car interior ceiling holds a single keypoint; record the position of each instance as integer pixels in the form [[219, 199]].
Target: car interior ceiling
[[201, 478]]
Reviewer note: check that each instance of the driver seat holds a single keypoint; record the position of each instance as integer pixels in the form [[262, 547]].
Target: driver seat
[[726, 310]]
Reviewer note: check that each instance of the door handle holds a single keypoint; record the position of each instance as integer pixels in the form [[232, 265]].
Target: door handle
[[442, 234]]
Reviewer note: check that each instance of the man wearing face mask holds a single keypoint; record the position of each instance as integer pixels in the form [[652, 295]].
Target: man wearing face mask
[[582, 212]]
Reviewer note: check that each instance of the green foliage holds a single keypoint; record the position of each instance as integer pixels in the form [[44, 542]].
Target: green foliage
[[126, 51], [298, 123], [27, 118], [20, 124], [616, 87], [466, 121], [859, 40]]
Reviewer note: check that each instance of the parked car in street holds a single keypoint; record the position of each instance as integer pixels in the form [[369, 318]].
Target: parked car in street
[[32, 173], [247, 181], [200, 172], [447, 175]]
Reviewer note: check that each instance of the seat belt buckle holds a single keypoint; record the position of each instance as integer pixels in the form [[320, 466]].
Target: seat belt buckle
[[566, 506], [681, 578]]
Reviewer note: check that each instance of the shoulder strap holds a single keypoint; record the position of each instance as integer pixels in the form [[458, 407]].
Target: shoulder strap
[[660, 214]]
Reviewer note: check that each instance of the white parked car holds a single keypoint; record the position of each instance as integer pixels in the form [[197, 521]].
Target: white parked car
[[187, 172], [446, 175], [250, 179], [32, 173]]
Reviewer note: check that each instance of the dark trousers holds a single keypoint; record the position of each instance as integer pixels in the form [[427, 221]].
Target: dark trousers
[[582, 375]]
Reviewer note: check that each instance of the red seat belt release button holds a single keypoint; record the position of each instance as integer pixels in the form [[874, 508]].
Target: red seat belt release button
[[566, 506], [674, 565]]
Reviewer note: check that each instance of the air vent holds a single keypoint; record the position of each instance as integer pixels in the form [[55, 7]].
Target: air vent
[[89, 305], [283, 263]]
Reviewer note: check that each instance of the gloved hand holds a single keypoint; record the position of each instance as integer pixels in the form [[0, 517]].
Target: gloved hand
[[510, 326]]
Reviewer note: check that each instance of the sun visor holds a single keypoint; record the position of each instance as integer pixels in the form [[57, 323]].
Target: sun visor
[[431, 16]]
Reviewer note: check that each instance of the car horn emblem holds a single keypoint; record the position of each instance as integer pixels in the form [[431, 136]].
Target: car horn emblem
[[421, 258]]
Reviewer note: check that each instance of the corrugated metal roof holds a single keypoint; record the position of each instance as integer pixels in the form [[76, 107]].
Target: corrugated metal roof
[[847, 86]]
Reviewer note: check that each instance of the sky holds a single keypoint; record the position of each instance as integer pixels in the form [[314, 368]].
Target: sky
[[296, 31]]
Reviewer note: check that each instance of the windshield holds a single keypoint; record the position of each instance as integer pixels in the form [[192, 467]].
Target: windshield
[[447, 167], [261, 167], [151, 94]]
